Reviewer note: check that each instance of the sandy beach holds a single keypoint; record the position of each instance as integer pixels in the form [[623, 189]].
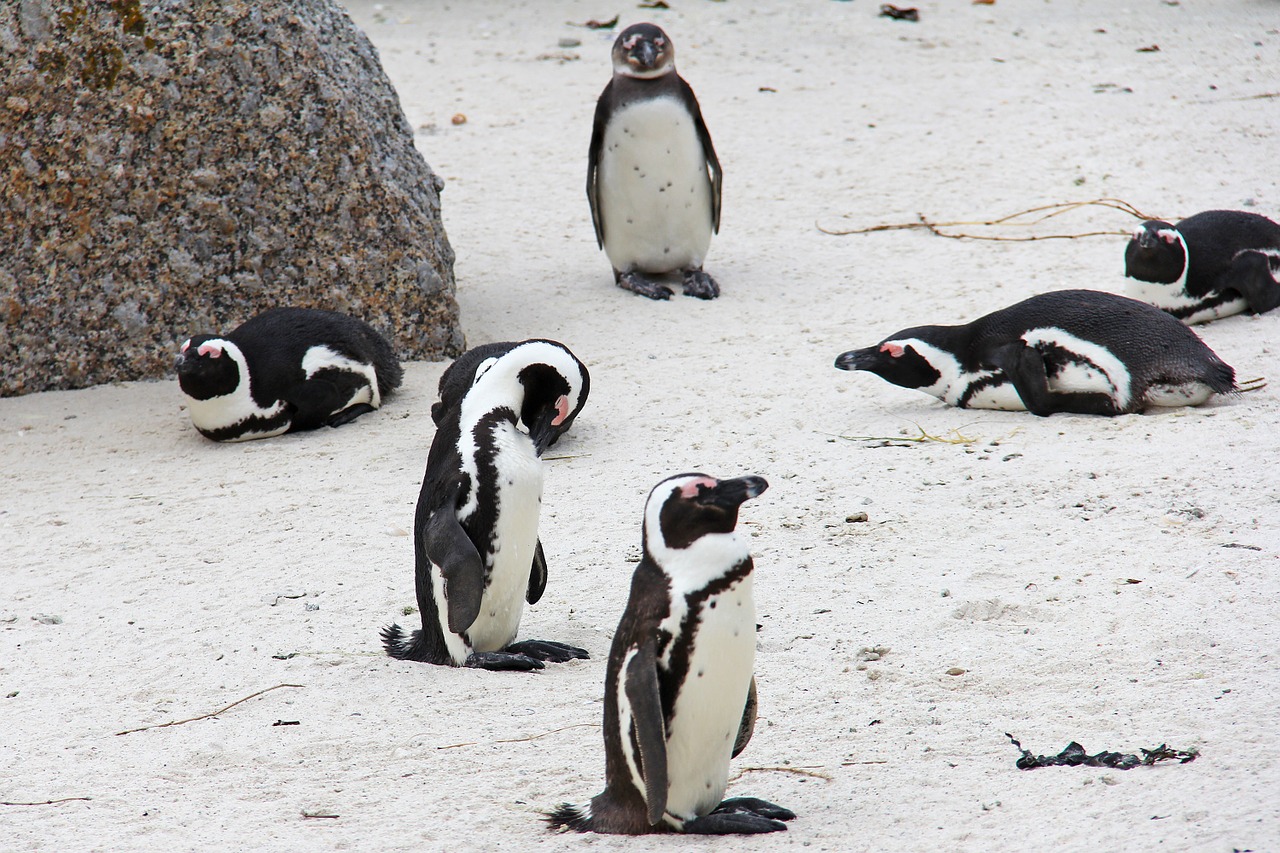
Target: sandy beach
[[1113, 581]]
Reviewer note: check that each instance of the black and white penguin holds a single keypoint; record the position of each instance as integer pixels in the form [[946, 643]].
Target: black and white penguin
[[1079, 351], [476, 548], [459, 376], [1214, 264], [286, 369], [679, 693], [653, 178]]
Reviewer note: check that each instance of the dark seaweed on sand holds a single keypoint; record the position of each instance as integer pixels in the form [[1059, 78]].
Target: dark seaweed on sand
[[1075, 756]]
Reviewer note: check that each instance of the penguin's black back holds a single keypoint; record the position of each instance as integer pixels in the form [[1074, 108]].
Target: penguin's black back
[[1155, 346], [1213, 239], [275, 341]]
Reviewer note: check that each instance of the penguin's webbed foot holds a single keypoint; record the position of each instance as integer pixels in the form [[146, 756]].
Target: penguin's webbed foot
[[349, 414], [547, 650], [755, 805], [699, 284], [502, 662], [637, 283]]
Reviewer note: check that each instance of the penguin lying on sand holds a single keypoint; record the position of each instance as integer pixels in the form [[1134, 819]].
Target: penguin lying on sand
[[1079, 351], [461, 374], [653, 179], [679, 694], [286, 369], [475, 532], [1214, 264]]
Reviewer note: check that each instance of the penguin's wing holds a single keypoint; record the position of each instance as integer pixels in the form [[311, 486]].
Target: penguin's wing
[[449, 547], [748, 725], [537, 575], [650, 728], [593, 161], [708, 151]]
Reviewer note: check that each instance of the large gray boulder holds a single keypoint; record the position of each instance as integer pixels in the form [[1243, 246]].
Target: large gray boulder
[[177, 166]]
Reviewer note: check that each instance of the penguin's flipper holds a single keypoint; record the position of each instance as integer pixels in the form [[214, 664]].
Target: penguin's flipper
[[709, 152], [1025, 368], [537, 575], [748, 725], [314, 400], [593, 162], [1252, 277], [650, 729], [449, 547]]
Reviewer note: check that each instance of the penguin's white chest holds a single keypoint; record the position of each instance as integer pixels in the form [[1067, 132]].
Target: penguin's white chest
[[654, 190], [708, 709], [519, 503]]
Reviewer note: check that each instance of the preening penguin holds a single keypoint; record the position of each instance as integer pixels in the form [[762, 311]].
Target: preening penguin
[[653, 179], [476, 550], [286, 369], [1210, 265], [679, 693], [1079, 351], [459, 376]]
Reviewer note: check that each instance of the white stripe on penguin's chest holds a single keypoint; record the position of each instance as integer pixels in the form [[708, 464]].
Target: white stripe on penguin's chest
[[519, 501], [708, 709], [654, 193]]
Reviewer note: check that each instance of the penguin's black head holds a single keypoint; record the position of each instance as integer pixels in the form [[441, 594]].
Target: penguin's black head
[[546, 410], [644, 51], [205, 369], [687, 507], [897, 360], [1156, 253]]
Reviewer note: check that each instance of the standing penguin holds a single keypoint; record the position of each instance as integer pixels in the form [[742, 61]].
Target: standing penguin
[[1079, 351], [653, 179], [286, 369], [679, 694], [475, 532], [459, 376], [1210, 265]]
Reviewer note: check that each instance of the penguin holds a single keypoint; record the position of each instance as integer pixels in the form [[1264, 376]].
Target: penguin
[[1080, 351], [284, 370], [459, 376], [476, 549], [679, 695], [653, 178], [1210, 265]]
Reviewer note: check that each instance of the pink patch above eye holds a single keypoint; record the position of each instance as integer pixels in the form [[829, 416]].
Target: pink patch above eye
[[562, 410], [691, 488], [211, 350], [1168, 236], [185, 345], [892, 349]]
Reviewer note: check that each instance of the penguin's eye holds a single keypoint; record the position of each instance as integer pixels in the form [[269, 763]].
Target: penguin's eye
[[893, 350], [660, 42]]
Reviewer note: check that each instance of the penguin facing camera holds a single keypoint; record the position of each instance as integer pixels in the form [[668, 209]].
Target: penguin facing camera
[[680, 694], [286, 369], [475, 532], [459, 376], [1080, 351], [653, 179], [1210, 265]]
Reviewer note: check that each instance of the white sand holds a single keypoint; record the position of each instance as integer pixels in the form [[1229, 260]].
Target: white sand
[[1008, 557]]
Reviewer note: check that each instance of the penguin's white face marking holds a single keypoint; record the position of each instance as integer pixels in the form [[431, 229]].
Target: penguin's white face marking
[[654, 189], [321, 357]]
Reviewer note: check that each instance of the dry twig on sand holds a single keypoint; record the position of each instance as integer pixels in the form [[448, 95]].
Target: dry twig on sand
[[205, 716], [1022, 218]]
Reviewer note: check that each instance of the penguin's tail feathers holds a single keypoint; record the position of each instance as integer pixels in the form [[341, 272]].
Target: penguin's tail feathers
[[570, 817], [403, 646]]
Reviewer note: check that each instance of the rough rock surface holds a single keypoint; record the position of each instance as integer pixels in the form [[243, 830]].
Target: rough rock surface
[[176, 166]]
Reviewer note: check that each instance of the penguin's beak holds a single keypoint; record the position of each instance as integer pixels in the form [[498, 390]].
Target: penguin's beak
[[546, 426], [731, 494], [1146, 241], [858, 359], [645, 55], [183, 365]]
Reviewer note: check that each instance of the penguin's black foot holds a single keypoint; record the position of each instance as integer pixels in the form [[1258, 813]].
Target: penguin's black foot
[[547, 650], [756, 806], [699, 284], [349, 414], [732, 823], [637, 283], [502, 662]]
